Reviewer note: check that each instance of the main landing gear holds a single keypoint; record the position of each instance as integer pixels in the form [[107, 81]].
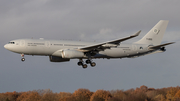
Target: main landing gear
[[22, 59], [81, 63]]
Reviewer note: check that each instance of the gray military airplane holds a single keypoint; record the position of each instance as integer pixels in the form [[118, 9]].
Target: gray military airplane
[[62, 51]]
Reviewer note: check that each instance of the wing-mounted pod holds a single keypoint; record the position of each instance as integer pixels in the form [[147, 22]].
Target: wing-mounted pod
[[163, 49]]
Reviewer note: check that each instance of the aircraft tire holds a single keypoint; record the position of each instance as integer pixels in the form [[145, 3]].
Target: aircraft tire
[[23, 59], [93, 64], [80, 63], [88, 61], [84, 66]]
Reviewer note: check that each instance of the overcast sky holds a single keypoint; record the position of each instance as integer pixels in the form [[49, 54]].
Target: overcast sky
[[90, 20]]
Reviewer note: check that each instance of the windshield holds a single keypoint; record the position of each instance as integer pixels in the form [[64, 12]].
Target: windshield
[[11, 43]]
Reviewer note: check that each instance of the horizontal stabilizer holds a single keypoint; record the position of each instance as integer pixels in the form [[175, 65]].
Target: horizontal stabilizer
[[159, 46], [158, 51]]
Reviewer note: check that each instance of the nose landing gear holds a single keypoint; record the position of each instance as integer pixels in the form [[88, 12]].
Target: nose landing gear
[[22, 59]]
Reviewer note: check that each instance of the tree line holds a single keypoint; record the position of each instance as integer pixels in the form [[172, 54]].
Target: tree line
[[142, 93]]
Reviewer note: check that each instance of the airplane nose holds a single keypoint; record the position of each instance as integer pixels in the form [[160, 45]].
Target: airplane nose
[[6, 46]]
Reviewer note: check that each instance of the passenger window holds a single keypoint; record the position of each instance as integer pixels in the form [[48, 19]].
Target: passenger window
[[141, 48]]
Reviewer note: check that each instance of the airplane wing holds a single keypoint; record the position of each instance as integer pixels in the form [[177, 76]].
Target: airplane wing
[[159, 46], [108, 44]]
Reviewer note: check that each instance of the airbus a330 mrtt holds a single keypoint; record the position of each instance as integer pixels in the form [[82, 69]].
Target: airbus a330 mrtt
[[62, 51]]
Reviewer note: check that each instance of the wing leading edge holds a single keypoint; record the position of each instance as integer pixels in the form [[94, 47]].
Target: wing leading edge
[[108, 44]]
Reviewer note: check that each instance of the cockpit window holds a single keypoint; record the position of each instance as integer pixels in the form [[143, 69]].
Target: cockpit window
[[11, 42]]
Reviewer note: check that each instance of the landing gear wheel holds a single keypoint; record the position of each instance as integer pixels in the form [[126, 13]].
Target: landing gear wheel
[[23, 59], [88, 61], [93, 64], [80, 63], [84, 66]]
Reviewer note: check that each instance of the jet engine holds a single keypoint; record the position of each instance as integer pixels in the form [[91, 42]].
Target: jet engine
[[163, 49], [57, 59], [72, 54]]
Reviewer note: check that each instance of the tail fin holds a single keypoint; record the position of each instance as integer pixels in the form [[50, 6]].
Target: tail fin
[[155, 35]]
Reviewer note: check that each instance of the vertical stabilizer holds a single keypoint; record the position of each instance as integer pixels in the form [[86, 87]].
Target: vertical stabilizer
[[155, 35]]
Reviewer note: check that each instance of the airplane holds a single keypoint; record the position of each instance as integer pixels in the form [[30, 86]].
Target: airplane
[[63, 50]]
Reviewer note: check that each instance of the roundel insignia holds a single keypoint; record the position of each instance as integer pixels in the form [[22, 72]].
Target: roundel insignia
[[155, 31]]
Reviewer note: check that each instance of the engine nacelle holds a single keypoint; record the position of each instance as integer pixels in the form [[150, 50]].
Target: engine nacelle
[[163, 49], [72, 54], [57, 59]]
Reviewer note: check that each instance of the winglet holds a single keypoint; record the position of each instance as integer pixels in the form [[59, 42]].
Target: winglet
[[136, 34]]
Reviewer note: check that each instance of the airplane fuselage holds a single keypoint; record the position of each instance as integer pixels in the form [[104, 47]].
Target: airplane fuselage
[[53, 47], [64, 50]]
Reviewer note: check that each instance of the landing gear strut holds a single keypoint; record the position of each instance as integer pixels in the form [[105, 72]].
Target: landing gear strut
[[22, 59], [91, 63], [81, 63], [88, 61]]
